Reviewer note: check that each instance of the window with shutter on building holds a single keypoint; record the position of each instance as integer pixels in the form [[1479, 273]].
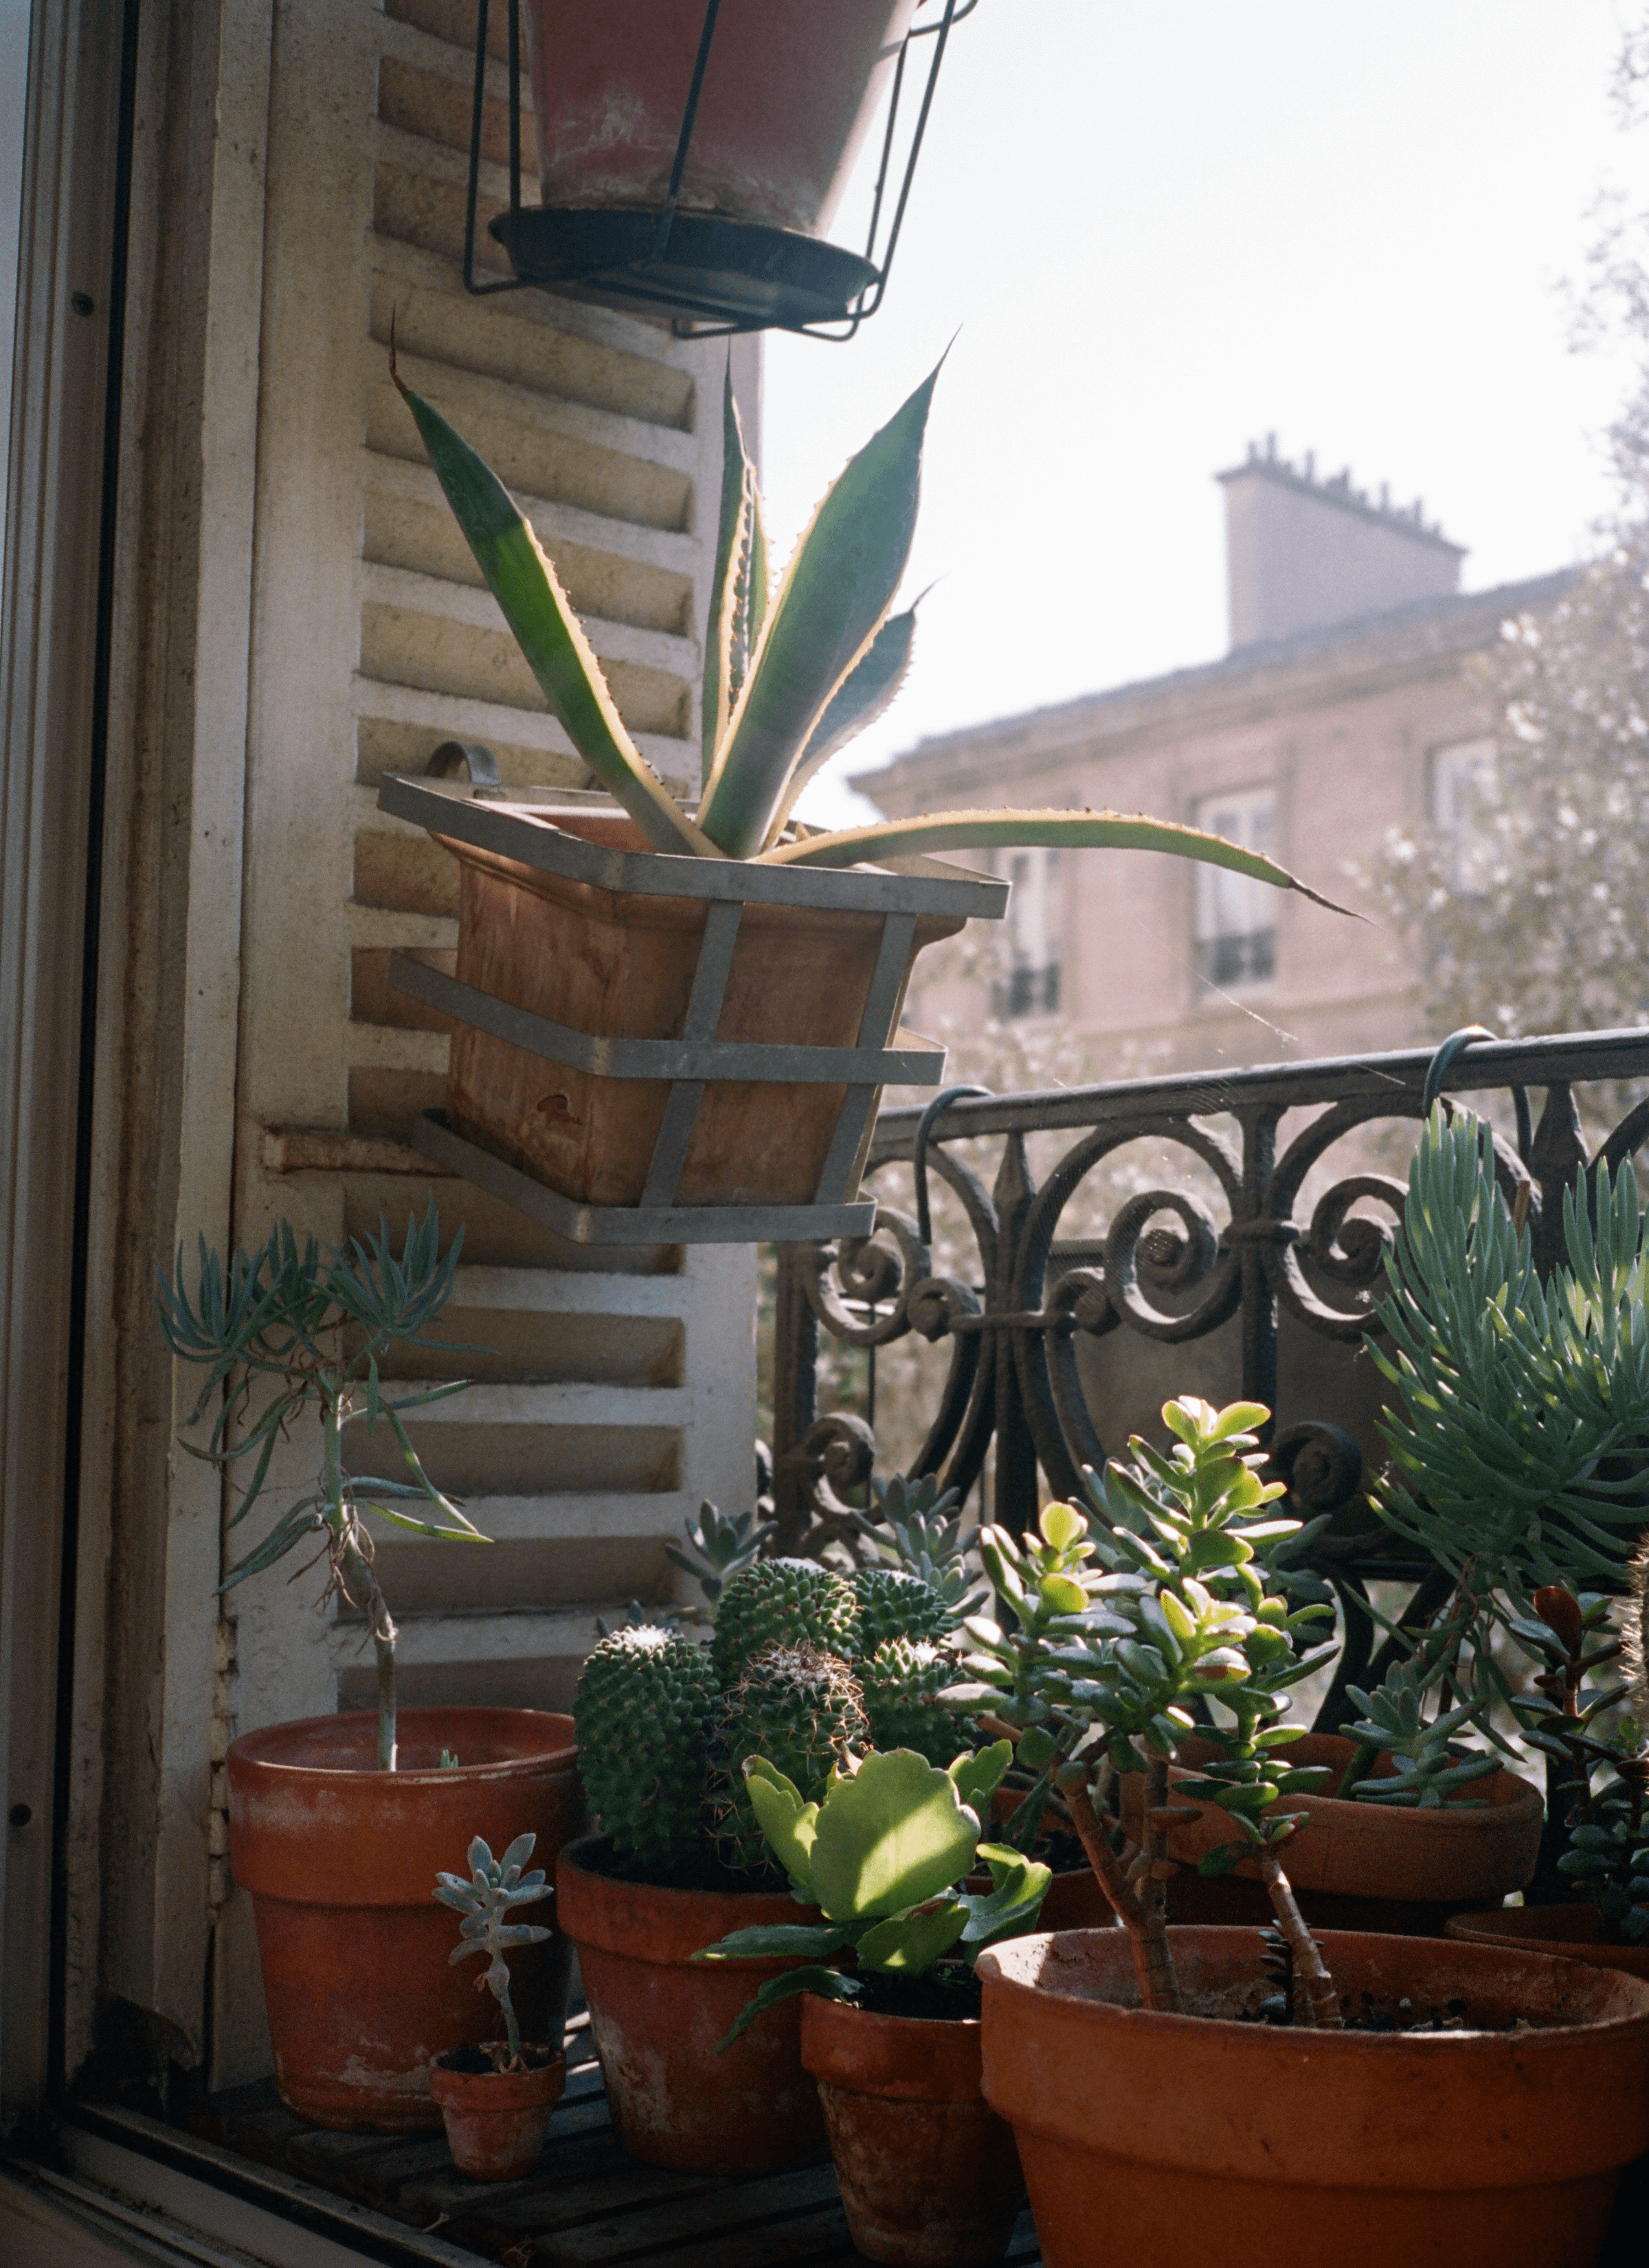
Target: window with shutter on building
[[1029, 964], [1459, 772], [1235, 921]]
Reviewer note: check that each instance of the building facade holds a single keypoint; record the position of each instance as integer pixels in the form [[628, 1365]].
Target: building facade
[[1347, 705]]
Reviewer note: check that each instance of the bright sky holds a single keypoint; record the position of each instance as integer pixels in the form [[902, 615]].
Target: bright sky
[[1162, 230]]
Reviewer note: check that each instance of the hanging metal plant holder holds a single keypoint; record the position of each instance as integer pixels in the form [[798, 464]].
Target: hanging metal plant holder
[[686, 166], [650, 1050]]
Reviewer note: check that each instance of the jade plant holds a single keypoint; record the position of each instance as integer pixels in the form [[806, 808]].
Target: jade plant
[[1126, 1623], [1516, 1455], [494, 1888], [884, 1854], [793, 669], [294, 1328], [803, 1669]]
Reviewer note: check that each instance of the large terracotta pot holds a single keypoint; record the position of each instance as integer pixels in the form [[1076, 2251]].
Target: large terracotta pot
[[1570, 1932], [787, 97], [1360, 1866], [340, 1861], [1185, 2139], [929, 2174], [619, 964], [656, 2016]]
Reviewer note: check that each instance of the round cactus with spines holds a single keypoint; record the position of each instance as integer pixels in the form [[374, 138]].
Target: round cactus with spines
[[782, 1602], [802, 1708], [901, 1682], [892, 1604], [644, 1715]]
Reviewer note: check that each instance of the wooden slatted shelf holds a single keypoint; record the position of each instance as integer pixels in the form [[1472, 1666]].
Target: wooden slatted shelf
[[589, 2204]]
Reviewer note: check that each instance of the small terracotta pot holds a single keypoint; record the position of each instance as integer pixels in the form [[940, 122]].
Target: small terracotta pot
[[1565, 1931], [656, 2016], [1360, 1866], [929, 2174], [341, 1860], [1159, 2138], [496, 2121]]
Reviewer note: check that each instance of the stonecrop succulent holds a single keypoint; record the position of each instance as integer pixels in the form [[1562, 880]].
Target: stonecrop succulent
[[791, 672], [493, 1890]]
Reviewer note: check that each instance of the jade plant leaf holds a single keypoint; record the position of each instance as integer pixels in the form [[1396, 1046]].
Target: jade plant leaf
[[895, 1834]]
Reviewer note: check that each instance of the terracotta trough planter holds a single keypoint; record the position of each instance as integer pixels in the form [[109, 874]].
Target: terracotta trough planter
[[656, 2017], [496, 2121], [1162, 2137], [1569, 1932], [340, 1861], [1362, 1866], [929, 2177], [654, 1048]]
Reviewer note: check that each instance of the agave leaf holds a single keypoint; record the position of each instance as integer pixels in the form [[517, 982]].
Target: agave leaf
[[832, 601], [1057, 830], [525, 585], [863, 696], [738, 591]]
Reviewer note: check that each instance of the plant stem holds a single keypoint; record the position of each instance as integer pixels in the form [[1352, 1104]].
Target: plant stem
[[512, 2030], [1321, 2000], [1147, 1931], [360, 1587]]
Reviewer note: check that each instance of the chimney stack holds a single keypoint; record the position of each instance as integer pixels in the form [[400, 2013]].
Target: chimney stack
[[1302, 552]]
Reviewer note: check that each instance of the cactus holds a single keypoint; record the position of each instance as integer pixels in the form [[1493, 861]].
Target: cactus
[[901, 1681], [802, 1708], [892, 1604], [644, 1715], [781, 1601]]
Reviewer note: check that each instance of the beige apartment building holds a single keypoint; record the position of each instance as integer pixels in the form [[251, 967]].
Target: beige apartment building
[[1347, 705]]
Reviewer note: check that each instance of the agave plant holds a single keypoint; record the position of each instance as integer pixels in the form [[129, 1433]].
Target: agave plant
[[791, 673]]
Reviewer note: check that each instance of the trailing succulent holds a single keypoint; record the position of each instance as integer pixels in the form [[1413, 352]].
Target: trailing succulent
[[806, 1668]]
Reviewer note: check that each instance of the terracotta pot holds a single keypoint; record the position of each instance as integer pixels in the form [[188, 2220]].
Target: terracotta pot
[[496, 2121], [1163, 2138], [656, 2017], [1363, 1865], [619, 963], [341, 1860], [1566, 1932], [929, 2177], [784, 107]]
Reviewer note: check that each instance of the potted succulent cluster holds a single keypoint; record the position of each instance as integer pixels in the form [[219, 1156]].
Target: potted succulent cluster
[[496, 2099], [806, 1668], [723, 921], [929, 2174], [337, 1824], [1398, 2098]]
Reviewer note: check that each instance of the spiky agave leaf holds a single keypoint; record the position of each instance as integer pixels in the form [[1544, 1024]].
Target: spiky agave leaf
[[834, 598], [738, 590], [525, 584], [1055, 830], [863, 696]]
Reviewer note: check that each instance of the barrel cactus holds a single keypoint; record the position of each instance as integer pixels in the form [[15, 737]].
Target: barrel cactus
[[782, 1603], [901, 1682], [892, 1604], [645, 1714], [802, 1708]]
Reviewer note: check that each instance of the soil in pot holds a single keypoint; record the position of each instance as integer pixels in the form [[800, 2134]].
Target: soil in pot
[[656, 2016], [1156, 2137], [1574, 1932], [1363, 1865], [341, 1860], [497, 2118], [929, 2174]]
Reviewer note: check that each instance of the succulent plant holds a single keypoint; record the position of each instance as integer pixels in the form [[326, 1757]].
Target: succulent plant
[[901, 1681], [494, 1888], [645, 1714], [801, 1708], [880, 1853], [790, 675], [717, 1549], [918, 1529], [783, 1600], [892, 1604]]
